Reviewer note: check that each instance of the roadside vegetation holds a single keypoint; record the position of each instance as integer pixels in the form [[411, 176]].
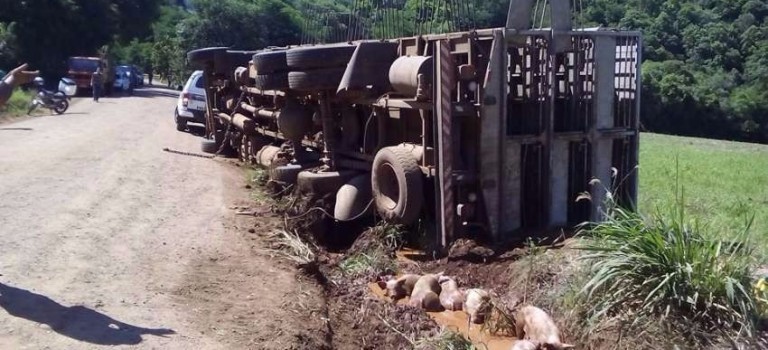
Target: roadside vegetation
[[17, 105], [680, 272], [671, 274]]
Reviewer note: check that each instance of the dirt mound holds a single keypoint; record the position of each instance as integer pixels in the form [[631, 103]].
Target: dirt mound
[[469, 250]]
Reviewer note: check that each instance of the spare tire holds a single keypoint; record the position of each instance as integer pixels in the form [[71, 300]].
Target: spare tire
[[273, 81], [326, 56], [315, 80], [208, 54], [270, 62], [397, 185]]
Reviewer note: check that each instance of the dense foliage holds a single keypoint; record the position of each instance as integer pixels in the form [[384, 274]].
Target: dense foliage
[[706, 63], [705, 70], [46, 32]]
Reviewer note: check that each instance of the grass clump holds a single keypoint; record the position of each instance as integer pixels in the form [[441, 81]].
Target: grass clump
[[670, 271], [445, 340], [291, 246], [18, 104], [373, 253], [372, 263]]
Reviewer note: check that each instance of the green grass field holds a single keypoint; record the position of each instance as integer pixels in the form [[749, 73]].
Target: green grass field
[[724, 182]]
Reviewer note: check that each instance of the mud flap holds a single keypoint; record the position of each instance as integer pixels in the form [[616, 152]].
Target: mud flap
[[369, 66]]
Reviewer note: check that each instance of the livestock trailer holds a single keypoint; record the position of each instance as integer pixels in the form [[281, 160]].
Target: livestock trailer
[[486, 132]]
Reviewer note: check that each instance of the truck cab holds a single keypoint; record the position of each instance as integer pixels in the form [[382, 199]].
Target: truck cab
[[80, 69]]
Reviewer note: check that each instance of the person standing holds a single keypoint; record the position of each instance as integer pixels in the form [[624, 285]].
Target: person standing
[[97, 81]]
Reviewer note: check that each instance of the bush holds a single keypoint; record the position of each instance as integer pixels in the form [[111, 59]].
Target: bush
[[669, 270], [18, 103]]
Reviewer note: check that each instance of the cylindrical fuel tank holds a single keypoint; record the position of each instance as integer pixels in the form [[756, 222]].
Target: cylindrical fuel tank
[[404, 73]]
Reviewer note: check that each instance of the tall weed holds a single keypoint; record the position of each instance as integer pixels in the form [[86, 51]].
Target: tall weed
[[669, 268]]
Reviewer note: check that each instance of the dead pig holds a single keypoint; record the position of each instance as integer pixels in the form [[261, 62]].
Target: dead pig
[[426, 294], [525, 345], [398, 288], [477, 305], [451, 298], [534, 324]]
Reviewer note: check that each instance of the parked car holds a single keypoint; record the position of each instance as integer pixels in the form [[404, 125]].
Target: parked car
[[138, 76], [122, 79], [191, 104]]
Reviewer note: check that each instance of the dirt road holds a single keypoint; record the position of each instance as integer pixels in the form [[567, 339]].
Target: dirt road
[[107, 240]]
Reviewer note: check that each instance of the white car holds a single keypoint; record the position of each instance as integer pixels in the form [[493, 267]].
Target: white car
[[122, 80], [191, 104]]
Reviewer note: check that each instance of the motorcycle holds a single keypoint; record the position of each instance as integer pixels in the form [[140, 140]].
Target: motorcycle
[[56, 101]]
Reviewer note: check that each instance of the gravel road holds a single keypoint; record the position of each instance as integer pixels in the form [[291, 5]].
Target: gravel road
[[106, 240]]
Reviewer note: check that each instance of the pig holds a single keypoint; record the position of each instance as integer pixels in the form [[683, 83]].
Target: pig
[[398, 288], [534, 324], [451, 298], [525, 345], [476, 305], [426, 293]]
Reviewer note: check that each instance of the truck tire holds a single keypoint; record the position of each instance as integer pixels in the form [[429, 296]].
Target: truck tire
[[315, 80], [286, 174], [327, 56], [397, 185], [181, 124], [208, 146], [322, 182], [219, 138], [272, 81], [270, 62], [204, 55]]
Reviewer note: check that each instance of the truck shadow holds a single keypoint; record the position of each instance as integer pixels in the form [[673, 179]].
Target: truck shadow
[[76, 322]]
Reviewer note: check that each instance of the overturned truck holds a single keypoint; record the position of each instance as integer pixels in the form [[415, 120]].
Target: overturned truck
[[488, 132]]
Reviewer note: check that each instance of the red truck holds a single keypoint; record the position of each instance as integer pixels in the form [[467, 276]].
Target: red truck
[[80, 70]]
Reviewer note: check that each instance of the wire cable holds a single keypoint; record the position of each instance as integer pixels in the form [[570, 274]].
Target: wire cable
[[310, 210]]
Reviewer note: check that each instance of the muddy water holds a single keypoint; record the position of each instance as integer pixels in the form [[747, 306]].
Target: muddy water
[[458, 321]]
